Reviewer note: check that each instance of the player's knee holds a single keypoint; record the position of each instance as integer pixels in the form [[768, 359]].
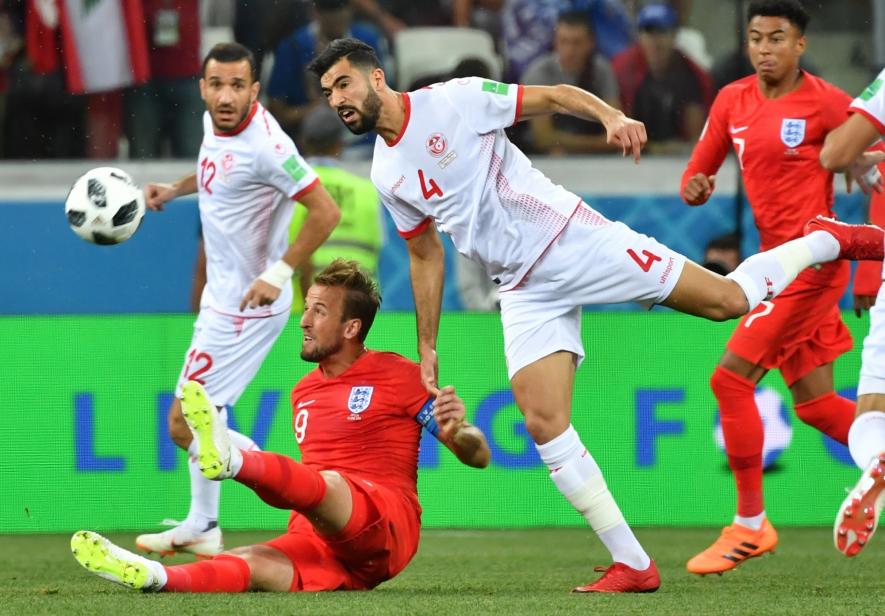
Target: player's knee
[[726, 384], [544, 427]]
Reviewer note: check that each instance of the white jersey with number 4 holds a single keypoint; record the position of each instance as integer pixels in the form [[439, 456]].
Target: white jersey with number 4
[[248, 180], [452, 164], [871, 103]]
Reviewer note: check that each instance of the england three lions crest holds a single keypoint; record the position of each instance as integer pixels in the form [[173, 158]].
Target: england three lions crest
[[792, 132], [359, 400]]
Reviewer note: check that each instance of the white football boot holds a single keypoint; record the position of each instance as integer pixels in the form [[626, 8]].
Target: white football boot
[[99, 556], [859, 513], [184, 539]]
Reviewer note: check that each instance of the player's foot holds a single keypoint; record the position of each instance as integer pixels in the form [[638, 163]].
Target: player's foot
[[735, 545], [856, 242], [213, 443], [621, 578], [859, 514], [104, 559], [184, 539]]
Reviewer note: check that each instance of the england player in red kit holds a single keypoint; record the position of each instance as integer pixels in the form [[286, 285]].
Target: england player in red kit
[[776, 122], [357, 418]]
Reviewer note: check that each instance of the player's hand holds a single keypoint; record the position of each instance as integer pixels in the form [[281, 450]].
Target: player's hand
[[156, 195], [449, 412], [865, 172], [699, 188], [627, 133], [429, 370], [260, 293], [863, 302]]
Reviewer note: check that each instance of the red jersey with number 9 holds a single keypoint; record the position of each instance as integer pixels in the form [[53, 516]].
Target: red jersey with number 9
[[777, 142], [362, 422]]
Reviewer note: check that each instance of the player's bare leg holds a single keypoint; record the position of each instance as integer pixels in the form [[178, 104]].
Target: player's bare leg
[[543, 392], [858, 514], [270, 569]]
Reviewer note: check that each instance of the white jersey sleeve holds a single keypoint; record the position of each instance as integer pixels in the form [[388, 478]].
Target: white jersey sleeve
[[871, 103], [409, 221], [280, 165], [485, 105]]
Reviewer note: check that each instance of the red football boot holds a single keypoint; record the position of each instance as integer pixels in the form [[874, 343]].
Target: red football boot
[[621, 578], [859, 514], [856, 242]]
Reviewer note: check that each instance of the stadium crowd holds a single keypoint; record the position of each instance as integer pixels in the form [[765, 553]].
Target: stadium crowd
[[643, 56]]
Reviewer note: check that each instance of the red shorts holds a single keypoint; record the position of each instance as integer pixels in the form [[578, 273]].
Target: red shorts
[[800, 329], [375, 549]]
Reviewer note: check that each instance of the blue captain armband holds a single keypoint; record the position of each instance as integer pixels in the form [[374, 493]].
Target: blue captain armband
[[425, 417]]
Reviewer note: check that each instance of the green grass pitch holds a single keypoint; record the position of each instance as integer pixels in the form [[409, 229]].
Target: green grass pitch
[[485, 572]]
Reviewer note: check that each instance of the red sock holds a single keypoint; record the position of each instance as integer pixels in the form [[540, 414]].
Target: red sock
[[744, 437], [223, 573], [282, 482], [831, 414]]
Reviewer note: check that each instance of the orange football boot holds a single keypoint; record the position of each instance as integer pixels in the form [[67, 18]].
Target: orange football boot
[[735, 545]]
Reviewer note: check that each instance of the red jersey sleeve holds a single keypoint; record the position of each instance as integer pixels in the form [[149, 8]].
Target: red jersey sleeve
[[712, 147], [836, 110]]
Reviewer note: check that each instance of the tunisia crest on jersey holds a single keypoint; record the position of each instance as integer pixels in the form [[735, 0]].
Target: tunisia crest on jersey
[[792, 132], [360, 397]]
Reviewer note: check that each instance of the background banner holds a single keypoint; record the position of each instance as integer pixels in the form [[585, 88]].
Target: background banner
[[84, 402]]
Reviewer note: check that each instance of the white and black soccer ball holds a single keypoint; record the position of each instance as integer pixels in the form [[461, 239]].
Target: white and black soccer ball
[[105, 206]]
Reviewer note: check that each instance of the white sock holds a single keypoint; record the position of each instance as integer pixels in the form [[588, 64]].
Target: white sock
[[866, 438], [240, 442], [576, 474], [205, 494], [754, 522], [764, 275]]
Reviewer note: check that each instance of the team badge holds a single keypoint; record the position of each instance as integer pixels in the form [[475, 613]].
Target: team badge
[[792, 132], [360, 397], [436, 145], [227, 162]]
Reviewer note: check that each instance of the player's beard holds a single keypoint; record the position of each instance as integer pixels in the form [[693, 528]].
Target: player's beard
[[369, 115], [239, 119], [319, 353]]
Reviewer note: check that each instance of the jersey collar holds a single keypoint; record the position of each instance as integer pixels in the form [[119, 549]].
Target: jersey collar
[[241, 126], [407, 109]]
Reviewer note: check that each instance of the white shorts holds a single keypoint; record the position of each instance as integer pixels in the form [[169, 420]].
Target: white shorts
[[594, 261], [872, 366], [226, 352]]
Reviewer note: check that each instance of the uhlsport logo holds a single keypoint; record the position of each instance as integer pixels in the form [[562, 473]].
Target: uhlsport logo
[[360, 397], [436, 145], [792, 132]]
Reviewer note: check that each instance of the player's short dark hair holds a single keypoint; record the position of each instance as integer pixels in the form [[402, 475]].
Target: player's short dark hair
[[361, 299], [791, 10], [231, 52], [575, 18], [729, 241], [357, 53]]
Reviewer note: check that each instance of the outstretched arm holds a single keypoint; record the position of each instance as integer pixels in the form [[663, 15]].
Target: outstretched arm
[[157, 195], [464, 440], [427, 271], [845, 144], [570, 100]]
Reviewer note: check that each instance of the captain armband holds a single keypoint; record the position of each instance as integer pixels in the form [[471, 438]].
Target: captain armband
[[426, 419]]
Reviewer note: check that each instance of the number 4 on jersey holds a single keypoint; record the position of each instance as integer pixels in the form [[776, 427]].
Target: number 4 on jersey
[[644, 263], [433, 189]]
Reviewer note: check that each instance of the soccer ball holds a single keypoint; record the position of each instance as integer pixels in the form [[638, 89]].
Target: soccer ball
[[105, 206]]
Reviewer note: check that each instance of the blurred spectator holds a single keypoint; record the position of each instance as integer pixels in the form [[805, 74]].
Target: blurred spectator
[[391, 16], [360, 233], [574, 61], [480, 14], [292, 91], [10, 44], [261, 24], [527, 33], [660, 85], [164, 116], [611, 23], [468, 67], [723, 254]]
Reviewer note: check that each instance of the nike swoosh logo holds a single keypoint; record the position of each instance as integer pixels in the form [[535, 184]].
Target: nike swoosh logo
[[738, 129], [301, 405]]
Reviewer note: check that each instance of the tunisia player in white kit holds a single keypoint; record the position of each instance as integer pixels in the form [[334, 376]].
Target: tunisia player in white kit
[[442, 157], [859, 513], [249, 174]]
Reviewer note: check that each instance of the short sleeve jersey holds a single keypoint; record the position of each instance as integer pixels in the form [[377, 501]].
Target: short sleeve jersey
[[363, 421], [452, 164], [247, 181], [778, 143], [871, 103]]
